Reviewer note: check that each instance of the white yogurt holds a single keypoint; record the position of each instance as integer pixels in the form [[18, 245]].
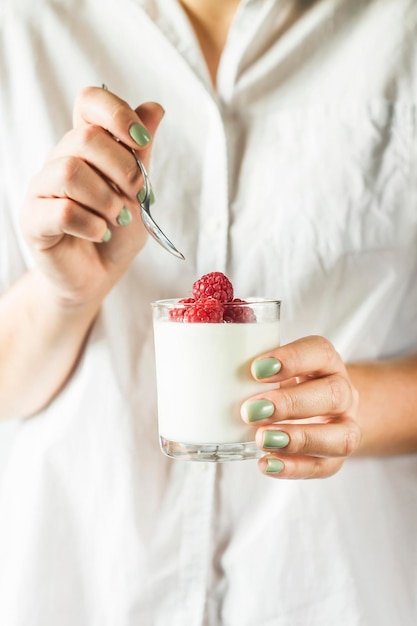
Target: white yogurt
[[203, 376]]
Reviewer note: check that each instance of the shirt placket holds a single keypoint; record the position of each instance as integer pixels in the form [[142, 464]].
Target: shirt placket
[[220, 160], [214, 201], [196, 542]]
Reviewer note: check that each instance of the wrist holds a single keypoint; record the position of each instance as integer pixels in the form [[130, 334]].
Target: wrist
[[387, 397], [62, 303]]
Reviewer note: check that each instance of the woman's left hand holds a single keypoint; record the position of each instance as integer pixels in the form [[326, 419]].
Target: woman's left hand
[[309, 425]]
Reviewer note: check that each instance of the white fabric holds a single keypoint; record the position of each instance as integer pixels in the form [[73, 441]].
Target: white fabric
[[298, 179]]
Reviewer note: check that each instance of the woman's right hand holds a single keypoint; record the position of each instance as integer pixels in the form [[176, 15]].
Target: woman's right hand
[[80, 215]]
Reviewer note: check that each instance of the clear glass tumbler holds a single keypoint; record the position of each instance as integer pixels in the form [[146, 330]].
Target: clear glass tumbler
[[203, 376]]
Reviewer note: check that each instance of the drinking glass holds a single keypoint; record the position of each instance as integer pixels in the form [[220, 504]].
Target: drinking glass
[[203, 376]]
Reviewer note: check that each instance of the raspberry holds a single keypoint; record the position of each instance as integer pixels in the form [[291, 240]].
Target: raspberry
[[238, 314], [214, 285], [177, 314], [207, 310]]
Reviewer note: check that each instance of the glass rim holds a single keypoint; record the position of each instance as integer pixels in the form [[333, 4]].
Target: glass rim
[[253, 301]]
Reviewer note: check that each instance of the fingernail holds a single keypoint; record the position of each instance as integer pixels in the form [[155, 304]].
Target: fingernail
[[257, 410], [142, 194], [264, 368], [125, 217], [107, 235], [275, 439], [140, 134], [274, 466]]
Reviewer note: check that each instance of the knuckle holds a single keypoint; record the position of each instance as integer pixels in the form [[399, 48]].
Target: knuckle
[[305, 442], [70, 167], [88, 133], [289, 402], [119, 110], [67, 213], [351, 440], [338, 393], [326, 348], [292, 357], [317, 469], [355, 397], [133, 175]]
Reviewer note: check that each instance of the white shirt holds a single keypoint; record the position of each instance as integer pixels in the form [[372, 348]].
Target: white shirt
[[297, 178]]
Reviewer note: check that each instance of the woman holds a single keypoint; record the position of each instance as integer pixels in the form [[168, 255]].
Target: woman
[[285, 159]]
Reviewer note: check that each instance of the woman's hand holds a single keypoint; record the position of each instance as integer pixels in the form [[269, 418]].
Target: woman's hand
[[309, 425], [80, 215]]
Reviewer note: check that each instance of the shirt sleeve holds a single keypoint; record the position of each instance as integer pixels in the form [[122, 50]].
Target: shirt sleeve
[[13, 250], [12, 264]]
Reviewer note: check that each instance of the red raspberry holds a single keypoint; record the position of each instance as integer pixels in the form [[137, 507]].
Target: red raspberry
[[214, 285], [177, 314], [207, 310], [238, 314]]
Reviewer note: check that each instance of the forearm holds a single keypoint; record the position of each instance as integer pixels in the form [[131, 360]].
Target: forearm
[[387, 405], [40, 342]]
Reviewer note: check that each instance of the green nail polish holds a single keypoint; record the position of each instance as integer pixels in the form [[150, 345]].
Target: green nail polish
[[107, 235], [140, 134], [275, 439], [257, 410], [274, 466], [125, 217], [142, 194], [264, 368]]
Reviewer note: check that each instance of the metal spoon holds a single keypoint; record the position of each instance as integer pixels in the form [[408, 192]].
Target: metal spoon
[[145, 211]]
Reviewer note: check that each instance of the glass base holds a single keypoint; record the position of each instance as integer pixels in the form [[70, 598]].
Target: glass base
[[211, 452]]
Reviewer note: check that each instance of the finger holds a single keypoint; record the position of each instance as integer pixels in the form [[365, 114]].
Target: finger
[[298, 467], [309, 356], [55, 217], [150, 114], [71, 177], [331, 395], [101, 151], [336, 438], [100, 107]]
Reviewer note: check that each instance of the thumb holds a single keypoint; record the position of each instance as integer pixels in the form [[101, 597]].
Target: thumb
[[150, 115]]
